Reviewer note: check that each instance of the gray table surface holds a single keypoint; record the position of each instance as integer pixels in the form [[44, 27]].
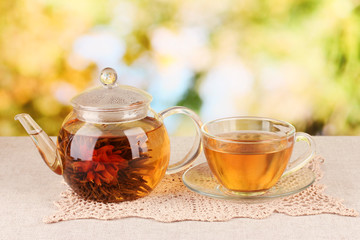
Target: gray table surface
[[28, 189]]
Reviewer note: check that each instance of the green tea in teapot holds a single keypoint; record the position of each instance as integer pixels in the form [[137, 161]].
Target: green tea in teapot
[[114, 162]]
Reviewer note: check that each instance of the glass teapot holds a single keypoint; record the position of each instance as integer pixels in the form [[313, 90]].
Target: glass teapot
[[112, 147]]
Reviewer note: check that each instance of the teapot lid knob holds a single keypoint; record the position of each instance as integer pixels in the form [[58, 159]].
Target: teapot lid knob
[[108, 77]]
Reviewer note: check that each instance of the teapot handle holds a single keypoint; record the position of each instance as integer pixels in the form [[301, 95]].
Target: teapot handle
[[195, 149]]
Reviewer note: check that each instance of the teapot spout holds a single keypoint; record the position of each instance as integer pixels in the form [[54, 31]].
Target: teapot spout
[[44, 144]]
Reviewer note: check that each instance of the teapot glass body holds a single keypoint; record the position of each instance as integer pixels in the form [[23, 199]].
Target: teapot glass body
[[114, 161]]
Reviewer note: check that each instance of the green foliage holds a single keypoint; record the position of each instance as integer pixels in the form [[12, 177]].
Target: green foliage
[[191, 98], [313, 44]]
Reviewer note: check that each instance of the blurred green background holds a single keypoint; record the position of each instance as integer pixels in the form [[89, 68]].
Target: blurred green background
[[296, 60]]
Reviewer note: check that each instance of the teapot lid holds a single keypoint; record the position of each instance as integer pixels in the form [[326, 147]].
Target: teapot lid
[[111, 96], [111, 103]]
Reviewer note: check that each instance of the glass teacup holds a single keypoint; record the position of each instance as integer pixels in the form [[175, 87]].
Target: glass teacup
[[248, 155]]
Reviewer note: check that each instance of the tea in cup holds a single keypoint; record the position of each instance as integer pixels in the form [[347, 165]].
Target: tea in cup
[[248, 155]]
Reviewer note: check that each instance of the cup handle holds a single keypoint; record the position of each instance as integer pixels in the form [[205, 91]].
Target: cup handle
[[195, 149], [305, 157]]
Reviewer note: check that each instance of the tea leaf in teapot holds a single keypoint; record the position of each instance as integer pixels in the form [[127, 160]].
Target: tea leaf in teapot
[[113, 167]]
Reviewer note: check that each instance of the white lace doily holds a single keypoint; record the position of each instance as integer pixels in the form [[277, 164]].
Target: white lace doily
[[171, 201]]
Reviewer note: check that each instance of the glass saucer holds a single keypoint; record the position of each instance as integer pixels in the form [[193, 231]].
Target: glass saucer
[[200, 180]]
